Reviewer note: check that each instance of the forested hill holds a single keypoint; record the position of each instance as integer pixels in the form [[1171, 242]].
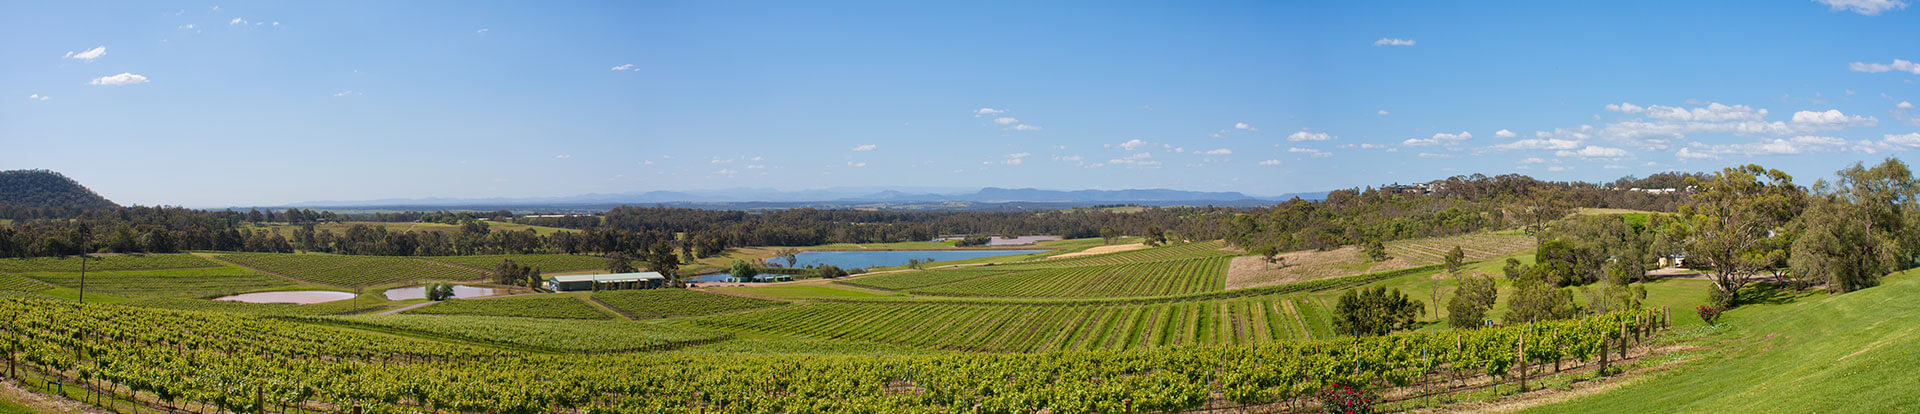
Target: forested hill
[[47, 189]]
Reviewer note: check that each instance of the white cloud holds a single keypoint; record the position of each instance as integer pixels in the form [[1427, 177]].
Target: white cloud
[[1911, 140], [1371, 146], [89, 54], [1713, 112], [1017, 158], [1388, 41], [1244, 126], [1140, 159], [1532, 160], [1594, 151], [342, 93], [1900, 65], [1662, 125], [867, 147], [237, 20], [1023, 127], [1832, 118], [120, 79], [1504, 134], [1005, 120], [1539, 144], [1438, 139], [1075, 158], [1310, 152], [1020, 155], [1270, 162], [1134, 144], [1433, 155], [856, 164], [1865, 7], [482, 30], [1222, 151], [1689, 153], [988, 112], [1309, 136], [39, 97], [628, 66], [724, 171], [1382, 112], [1904, 105], [1778, 146], [1556, 168], [563, 156]]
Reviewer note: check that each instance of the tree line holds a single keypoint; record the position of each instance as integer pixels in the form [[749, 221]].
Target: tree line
[[1739, 227]]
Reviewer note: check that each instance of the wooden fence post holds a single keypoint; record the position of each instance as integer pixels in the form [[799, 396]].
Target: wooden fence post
[[1522, 357], [1623, 340]]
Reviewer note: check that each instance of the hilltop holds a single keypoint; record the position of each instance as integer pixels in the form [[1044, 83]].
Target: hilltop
[[43, 188]]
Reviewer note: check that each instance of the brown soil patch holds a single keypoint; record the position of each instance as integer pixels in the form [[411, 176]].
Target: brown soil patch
[[1102, 250], [1303, 266]]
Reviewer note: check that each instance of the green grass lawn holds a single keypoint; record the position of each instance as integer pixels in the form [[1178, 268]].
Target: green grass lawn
[[803, 291], [10, 407], [1857, 352]]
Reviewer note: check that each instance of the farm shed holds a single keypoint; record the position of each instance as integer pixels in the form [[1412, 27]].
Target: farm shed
[[615, 281]]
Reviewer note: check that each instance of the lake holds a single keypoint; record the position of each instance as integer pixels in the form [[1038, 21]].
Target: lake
[[886, 258], [420, 292], [297, 297]]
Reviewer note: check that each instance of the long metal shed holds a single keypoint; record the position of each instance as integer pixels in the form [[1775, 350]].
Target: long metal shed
[[613, 281]]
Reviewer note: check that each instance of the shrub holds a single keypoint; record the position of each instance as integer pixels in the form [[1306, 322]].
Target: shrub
[[1708, 314], [1347, 400]]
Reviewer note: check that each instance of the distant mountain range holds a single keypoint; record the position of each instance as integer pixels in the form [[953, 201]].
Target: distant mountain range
[[848, 197]]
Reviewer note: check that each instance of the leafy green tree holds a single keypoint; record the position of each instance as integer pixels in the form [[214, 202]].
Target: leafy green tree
[[1837, 246], [792, 256], [1613, 297], [1108, 235], [1513, 269], [1734, 218], [618, 262], [1374, 250], [661, 258], [743, 271], [830, 271], [514, 274], [1269, 253], [1454, 259], [1470, 303], [1376, 311], [1537, 300], [1156, 236]]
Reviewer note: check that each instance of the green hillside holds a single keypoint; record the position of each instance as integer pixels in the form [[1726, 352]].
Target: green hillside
[[1850, 353], [42, 188]]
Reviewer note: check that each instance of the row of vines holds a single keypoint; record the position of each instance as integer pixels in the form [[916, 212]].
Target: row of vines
[[212, 363]]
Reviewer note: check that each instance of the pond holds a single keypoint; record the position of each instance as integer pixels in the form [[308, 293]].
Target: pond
[[420, 292], [886, 258], [297, 297]]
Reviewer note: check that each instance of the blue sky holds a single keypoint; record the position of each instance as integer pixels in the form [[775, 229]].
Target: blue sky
[[213, 104]]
